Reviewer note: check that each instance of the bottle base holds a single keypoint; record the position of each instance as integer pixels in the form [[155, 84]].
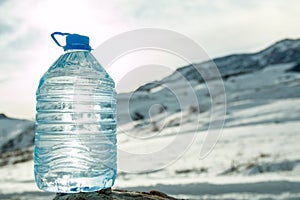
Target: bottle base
[[75, 185]]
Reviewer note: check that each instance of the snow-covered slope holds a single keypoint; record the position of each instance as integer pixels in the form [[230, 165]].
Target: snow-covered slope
[[16, 140], [15, 134]]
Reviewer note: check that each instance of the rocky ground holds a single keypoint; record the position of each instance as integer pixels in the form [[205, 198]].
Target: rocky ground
[[109, 194]]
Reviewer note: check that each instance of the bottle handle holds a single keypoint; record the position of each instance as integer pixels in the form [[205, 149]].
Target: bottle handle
[[58, 33]]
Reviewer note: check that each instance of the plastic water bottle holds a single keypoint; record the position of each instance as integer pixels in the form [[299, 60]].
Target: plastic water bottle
[[75, 139]]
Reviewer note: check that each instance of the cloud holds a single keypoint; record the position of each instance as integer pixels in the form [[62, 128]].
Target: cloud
[[5, 29]]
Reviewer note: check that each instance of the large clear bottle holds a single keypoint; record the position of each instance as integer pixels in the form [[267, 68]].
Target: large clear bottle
[[75, 139]]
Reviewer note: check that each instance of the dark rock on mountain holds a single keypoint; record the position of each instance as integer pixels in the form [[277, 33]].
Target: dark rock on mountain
[[3, 116], [296, 68]]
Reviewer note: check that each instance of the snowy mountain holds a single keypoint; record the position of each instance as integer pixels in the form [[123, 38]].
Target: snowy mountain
[[167, 91], [257, 155], [16, 134], [16, 140]]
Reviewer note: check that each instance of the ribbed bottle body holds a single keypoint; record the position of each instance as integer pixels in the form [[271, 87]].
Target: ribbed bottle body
[[75, 139]]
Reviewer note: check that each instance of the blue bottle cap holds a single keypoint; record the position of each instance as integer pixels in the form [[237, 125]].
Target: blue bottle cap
[[73, 41]]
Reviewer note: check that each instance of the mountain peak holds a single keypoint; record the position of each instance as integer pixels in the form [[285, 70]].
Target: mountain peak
[[3, 116], [281, 46], [287, 41]]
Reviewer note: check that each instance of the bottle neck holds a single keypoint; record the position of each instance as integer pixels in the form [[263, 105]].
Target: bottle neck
[[76, 50]]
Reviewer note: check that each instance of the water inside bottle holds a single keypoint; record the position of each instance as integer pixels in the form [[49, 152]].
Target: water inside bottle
[[75, 140]]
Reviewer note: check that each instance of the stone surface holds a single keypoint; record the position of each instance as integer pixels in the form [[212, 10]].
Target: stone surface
[[109, 194]]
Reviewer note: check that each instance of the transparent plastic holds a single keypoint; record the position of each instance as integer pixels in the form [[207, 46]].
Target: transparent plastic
[[75, 139]]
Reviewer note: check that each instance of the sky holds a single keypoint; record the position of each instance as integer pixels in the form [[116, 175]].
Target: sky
[[221, 27]]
